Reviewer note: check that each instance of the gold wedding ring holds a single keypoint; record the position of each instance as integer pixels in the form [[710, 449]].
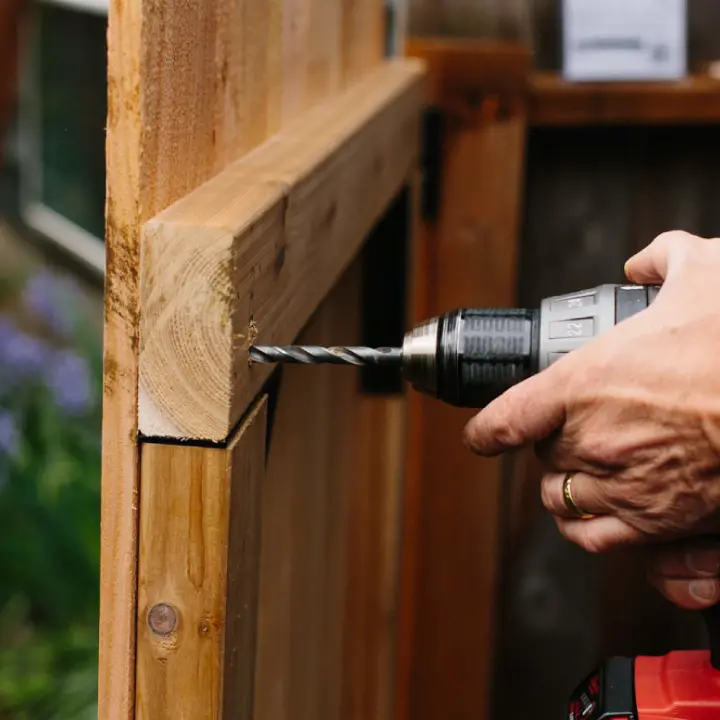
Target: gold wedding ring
[[570, 503]]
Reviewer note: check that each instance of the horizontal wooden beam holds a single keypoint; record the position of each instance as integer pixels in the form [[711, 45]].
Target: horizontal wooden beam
[[250, 254], [554, 101]]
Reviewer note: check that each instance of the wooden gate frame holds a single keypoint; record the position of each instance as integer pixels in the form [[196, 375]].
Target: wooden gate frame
[[252, 145]]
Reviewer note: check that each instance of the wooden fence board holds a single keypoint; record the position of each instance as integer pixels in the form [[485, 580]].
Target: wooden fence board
[[198, 576], [192, 87], [327, 608]]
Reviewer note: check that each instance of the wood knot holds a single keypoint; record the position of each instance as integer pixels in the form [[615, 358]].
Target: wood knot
[[162, 619]]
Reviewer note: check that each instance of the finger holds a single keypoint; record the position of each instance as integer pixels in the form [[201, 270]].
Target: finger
[[587, 493], [560, 452], [526, 413], [601, 534], [651, 265], [686, 560], [689, 594]]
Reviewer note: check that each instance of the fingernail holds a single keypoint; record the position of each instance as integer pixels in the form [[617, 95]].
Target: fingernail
[[703, 562], [703, 590]]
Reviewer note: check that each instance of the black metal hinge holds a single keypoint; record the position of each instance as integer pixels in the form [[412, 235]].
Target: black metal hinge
[[385, 286]]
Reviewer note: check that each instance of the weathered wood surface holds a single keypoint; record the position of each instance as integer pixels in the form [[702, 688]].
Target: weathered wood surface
[[230, 263], [192, 87], [468, 257], [198, 570]]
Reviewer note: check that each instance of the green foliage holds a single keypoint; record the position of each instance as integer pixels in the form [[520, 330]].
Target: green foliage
[[49, 510]]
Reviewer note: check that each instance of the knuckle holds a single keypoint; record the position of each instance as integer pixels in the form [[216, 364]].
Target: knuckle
[[674, 239], [598, 449], [489, 429], [476, 433], [506, 433]]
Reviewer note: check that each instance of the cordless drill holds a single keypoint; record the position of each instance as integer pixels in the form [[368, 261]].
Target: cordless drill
[[467, 358]]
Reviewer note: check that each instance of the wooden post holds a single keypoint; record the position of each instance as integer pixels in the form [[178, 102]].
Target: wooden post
[[468, 257], [252, 146]]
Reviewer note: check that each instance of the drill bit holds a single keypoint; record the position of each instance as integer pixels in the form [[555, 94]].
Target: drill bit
[[318, 355]]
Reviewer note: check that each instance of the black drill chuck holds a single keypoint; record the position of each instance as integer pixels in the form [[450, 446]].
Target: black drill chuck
[[468, 357]]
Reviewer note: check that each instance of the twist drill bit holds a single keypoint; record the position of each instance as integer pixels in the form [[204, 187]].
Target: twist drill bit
[[318, 355]]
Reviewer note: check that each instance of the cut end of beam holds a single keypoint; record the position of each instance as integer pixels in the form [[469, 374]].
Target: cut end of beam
[[232, 259]]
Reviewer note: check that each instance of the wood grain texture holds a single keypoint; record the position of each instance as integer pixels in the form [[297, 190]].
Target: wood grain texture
[[199, 555], [363, 35], [230, 263], [328, 579], [191, 88], [370, 643], [472, 253], [120, 477], [311, 54]]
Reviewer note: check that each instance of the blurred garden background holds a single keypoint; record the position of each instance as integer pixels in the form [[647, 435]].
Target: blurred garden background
[[50, 381], [51, 278]]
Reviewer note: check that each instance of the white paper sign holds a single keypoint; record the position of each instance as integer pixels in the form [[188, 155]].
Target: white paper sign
[[624, 39]]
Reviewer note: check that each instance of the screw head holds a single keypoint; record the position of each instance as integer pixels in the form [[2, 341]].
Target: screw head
[[162, 619]]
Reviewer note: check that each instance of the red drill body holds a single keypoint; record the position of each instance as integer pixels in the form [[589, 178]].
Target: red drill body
[[681, 685]]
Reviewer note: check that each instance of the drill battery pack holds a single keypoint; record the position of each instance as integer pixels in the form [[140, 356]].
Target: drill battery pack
[[682, 685]]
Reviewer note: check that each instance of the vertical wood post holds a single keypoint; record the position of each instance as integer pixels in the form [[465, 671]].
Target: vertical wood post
[[468, 257]]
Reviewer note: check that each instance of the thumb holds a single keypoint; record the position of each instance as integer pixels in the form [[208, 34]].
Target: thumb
[[651, 265], [525, 413]]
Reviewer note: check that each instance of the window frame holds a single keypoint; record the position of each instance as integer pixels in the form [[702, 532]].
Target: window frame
[[51, 226]]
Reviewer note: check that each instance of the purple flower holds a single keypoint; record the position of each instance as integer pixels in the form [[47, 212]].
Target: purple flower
[[68, 378], [21, 355], [48, 298], [8, 433]]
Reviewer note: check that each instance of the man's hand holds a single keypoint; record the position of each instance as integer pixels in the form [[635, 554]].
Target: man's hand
[[635, 414], [687, 573]]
